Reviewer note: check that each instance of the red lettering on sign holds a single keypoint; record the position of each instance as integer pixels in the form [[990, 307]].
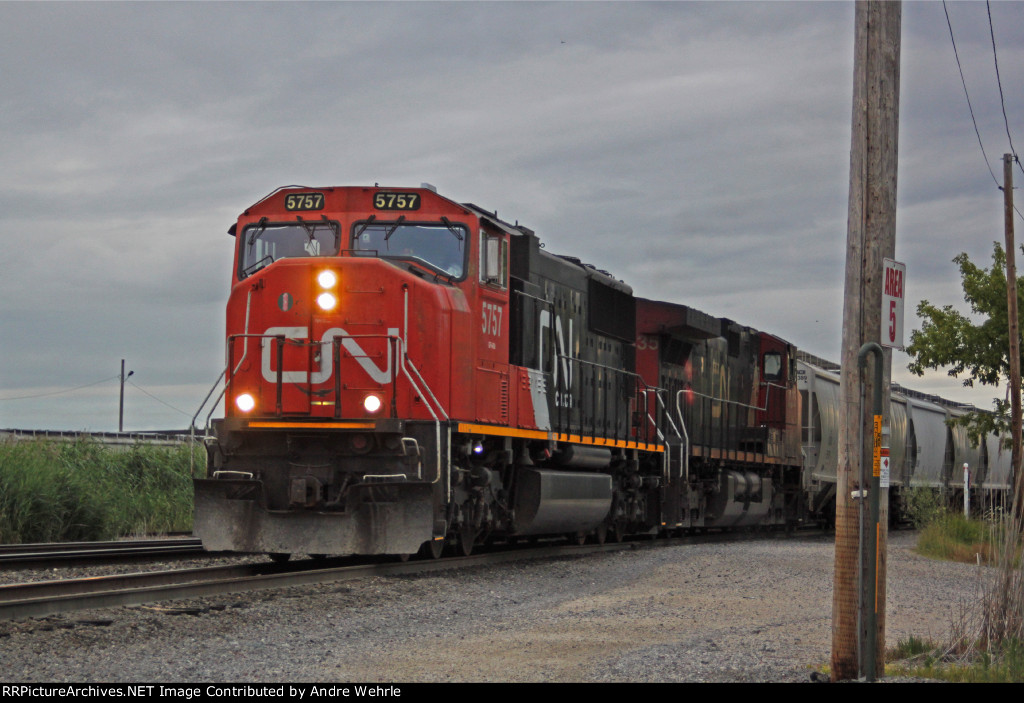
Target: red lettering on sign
[[894, 283]]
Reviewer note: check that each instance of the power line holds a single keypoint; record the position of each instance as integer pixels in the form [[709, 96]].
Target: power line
[[970, 108], [158, 400], [62, 392], [967, 95], [999, 82]]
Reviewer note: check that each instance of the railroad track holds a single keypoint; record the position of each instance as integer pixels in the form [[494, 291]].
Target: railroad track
[[41, 598], [20, 555]]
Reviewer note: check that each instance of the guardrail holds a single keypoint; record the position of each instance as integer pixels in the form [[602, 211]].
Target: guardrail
[[127, 439]]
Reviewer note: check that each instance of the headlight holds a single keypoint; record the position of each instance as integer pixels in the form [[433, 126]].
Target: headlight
[[245, 402], [326, 301], [372, 403]]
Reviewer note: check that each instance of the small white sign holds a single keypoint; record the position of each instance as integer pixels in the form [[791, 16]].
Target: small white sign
[[894, 276]]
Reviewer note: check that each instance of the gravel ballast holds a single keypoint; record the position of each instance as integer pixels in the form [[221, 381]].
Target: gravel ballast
[[750, 610]]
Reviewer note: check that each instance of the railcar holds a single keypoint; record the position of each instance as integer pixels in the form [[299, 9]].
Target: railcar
[[406, 372], [926, 451]]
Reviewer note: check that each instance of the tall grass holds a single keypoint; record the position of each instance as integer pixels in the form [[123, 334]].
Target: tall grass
[[83, 490], [929, 660], [987, 637], [954, 537], [998, 620]]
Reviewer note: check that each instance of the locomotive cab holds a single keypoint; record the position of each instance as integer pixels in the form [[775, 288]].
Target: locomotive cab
[[350, 324]]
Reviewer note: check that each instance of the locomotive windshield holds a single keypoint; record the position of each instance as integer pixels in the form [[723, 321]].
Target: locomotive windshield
[[264, 244], [439, 246]]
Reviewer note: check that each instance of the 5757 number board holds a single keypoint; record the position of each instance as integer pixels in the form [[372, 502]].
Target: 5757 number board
[[304, 201], [396, 201]]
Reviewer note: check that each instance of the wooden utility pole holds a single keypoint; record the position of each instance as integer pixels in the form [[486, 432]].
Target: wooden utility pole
[[871, 236], [120, 407], [1014, 330]]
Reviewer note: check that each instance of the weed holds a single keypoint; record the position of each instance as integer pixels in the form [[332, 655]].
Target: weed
[[987, 639], [83, 490], [957, 538], [923, 506]]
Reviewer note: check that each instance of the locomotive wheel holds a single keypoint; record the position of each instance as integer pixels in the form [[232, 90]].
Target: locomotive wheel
[[280, 557], [618, 532], [579, 538], [434, 548], [467, 537]]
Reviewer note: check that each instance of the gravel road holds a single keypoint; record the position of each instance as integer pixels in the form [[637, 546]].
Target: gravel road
[[753, 610]]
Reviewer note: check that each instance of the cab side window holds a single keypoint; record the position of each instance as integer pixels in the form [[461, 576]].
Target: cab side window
[[772, 366], [493, 260]]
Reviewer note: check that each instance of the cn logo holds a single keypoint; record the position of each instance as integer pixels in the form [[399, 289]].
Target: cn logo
[[380, 375]]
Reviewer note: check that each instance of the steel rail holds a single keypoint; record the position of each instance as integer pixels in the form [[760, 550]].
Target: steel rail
[[50, 547], [39, 599], [42, 598], [29, 555]]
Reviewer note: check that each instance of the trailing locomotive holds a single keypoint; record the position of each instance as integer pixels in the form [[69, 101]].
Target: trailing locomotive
[[405, 372]]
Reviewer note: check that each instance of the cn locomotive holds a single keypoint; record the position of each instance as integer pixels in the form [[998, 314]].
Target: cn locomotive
[[406, 373]]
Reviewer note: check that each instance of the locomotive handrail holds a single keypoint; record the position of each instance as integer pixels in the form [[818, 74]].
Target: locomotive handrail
[[223, 375], [737, 402], [647, 414], [729, 416], [668, 417], [404, 357], [401, 365], [616, 373], [281, 340], [686, 434], [666, 460], [206, 425], [207, 398]]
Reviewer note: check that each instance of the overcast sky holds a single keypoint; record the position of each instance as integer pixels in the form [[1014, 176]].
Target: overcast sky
[[698, 151]]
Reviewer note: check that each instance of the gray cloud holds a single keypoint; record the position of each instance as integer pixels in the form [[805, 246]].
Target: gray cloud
[[700, 151]]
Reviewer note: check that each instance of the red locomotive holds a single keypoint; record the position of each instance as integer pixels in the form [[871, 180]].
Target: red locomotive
[[404, 371]]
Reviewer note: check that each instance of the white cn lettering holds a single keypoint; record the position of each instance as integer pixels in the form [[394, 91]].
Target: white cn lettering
[[325, 369], [562, 351], [265, 346], [380, 375]]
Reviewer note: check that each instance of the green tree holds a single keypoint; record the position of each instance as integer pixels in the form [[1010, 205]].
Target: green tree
[[974, 352]]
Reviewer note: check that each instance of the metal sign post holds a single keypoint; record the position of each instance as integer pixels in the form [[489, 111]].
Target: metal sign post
[[869, 591]]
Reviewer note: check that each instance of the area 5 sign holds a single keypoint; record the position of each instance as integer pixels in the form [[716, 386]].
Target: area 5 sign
[[894, 276]]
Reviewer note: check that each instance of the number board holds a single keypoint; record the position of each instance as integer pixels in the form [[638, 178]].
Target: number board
[[304, 201], [396, 201]]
